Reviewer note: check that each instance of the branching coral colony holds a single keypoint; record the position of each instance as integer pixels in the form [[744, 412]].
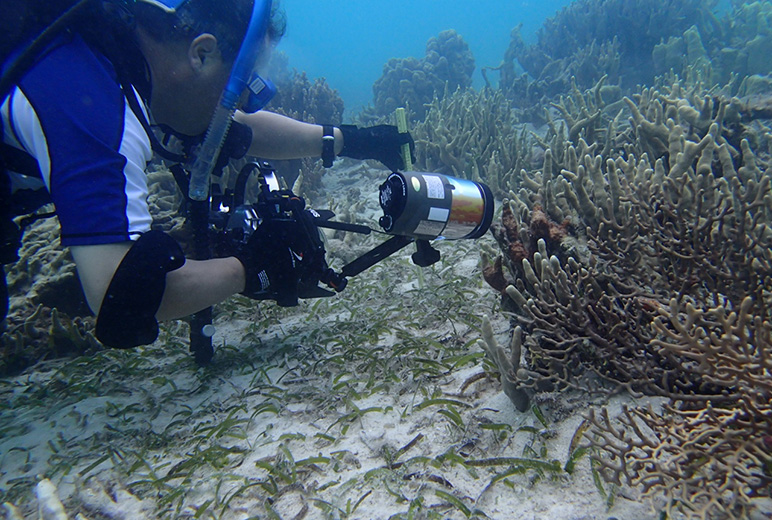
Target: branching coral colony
[[651, 273], [472, 135]]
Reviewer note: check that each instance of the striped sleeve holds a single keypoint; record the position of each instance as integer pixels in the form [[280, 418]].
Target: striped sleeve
[[71, 115]]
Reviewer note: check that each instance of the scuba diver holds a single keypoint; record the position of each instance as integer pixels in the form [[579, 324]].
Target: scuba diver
[[76, 124]]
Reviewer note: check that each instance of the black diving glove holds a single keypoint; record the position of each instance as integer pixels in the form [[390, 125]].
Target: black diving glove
[[270, 264], [381, 142]]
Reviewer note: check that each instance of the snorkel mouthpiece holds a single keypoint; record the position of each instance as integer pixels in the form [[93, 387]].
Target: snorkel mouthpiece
[[241, 78]]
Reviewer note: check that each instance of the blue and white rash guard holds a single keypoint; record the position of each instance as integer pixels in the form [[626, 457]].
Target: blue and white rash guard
[[69, 112]]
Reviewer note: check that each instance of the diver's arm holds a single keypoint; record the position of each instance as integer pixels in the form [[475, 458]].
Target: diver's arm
[[200, 284], [194, 286], [275, 136], [96, 266]]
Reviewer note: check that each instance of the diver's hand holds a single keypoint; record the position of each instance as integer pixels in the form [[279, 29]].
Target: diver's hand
[[271, 264], [381, 142]]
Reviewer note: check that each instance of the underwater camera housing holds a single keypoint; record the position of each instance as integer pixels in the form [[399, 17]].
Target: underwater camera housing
[[417, 207]]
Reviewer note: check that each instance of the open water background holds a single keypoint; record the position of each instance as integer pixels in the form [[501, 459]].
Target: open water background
[[348, 41]]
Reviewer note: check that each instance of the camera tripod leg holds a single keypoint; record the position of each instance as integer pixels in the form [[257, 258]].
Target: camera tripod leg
[[200, 342]]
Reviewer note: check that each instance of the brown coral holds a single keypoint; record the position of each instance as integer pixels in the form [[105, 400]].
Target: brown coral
[[707, 455], [493, 273], [542, 227], [519, 242]]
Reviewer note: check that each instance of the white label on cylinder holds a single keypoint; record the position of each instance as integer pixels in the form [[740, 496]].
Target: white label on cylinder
[[439, 214], [434, 187], [432, 229]]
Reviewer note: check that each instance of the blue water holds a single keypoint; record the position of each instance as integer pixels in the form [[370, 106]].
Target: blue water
[[348, 42]]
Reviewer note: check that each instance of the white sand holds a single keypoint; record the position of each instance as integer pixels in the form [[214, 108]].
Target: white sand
[[308, 409]]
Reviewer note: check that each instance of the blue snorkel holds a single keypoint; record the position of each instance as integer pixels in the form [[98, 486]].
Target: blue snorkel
[[242, 77]]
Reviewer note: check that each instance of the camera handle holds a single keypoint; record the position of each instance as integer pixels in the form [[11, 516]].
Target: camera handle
[[424, 256]]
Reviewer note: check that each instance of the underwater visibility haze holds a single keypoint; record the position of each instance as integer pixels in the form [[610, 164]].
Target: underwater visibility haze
[[605, 351], [348, 44]]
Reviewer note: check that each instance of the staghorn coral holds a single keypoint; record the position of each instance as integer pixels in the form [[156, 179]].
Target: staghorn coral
[[45, 273], [671, 299], [593, 116], [585, 330], [730, 346], [508, 363], [48, 314], [710, 458], [473, 135], [593, 38], [43, 333], [663, 121], [740, 107], [582, 111], [553, 77], [678, 224], [737, 44], [447, 65]]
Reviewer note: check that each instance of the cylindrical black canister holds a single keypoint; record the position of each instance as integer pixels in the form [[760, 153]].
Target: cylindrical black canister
[[431, 205]]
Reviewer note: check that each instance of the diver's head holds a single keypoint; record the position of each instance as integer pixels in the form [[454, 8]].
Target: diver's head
[[190, 47], [180, 21]]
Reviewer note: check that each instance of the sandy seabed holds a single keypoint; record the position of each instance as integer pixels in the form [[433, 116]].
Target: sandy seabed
[[375, 404]]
